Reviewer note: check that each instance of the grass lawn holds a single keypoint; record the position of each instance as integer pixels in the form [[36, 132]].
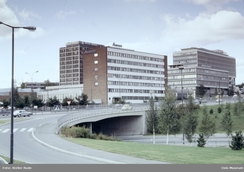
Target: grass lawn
[[237, 120], [15, 161], [167, 153]]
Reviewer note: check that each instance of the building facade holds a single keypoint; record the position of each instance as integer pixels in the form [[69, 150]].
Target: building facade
[[71, 62], [213, 69], [113, 74]]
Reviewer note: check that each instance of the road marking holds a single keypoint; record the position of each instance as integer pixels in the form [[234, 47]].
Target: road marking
[[15, 129], [5, 131], [31, 129], [22, 130]]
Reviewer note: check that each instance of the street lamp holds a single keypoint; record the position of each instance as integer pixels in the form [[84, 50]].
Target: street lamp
[[181, 68], [30, 28]]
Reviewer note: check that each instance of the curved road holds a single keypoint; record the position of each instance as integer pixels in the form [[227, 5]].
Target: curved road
[[36, 143]]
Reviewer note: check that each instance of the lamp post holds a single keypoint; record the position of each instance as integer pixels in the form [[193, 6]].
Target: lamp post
[[181, 68], [31, 28]]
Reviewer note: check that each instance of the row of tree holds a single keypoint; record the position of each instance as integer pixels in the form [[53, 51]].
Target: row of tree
[[32, 100], [171, 119]]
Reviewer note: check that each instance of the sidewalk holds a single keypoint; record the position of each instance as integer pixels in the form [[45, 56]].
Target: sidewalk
[[45, 135]]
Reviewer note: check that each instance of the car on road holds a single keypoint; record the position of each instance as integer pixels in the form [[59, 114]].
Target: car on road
[[4, 112], [20, 113], [126, 107]]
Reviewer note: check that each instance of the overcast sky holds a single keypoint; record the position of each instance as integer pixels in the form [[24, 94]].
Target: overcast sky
[[154, 26]]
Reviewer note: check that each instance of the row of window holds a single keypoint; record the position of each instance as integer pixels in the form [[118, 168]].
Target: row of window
[[119, 76], [133, 70], [132, 56], [193, 70], [69, 75], [69, 67], [69, 71], [115, 90], [183, 76], [135, 84], [134, 63]]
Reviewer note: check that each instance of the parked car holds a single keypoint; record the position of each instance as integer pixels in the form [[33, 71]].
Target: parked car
[[4, 112], [20, 113], [126, 107]]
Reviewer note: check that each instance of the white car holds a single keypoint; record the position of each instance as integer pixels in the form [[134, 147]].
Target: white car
[[19, 113], [126, 107]]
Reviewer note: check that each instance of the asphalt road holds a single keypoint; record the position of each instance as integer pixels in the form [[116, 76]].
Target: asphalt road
[[35, 142], [27, 149]]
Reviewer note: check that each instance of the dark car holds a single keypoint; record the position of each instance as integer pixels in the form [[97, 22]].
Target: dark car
[[4, 112]]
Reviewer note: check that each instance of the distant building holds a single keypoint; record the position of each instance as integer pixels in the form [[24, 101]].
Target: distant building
[[60, 92], [212, 68], [5, 93]]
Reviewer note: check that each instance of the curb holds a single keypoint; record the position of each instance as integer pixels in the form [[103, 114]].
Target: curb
[[76, 154]]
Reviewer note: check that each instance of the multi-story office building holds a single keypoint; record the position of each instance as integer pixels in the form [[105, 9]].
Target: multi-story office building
[[111, 74], [71, 62], [213, 69]]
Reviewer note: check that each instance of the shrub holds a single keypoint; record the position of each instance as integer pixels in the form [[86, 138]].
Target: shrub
[[237, 142], [201, 141]]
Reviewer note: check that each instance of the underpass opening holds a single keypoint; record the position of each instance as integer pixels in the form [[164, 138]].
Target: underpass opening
[[118, 126]]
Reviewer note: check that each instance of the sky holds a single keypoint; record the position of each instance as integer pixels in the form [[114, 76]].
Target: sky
[[154, 26]]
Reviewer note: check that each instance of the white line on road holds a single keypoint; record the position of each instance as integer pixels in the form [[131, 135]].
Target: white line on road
[[5, 131], [15, 129], [31, 129], [22, 130]]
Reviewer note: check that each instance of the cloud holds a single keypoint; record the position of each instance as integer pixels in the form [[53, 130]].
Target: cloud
[[63, 14], [8, 16], [203, 29], [206, 2], [27, 15]]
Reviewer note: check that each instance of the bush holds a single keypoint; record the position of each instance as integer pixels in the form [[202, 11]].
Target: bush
[[237, 142], [211, 111], [201, 141], [83, 132]]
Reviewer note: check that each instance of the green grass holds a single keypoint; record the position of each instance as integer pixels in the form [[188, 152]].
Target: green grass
[[237, 120], [167, 153], [15, 161]]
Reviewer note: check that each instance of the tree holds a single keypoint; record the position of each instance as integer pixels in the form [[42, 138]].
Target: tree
[[82, 100], [201, 141], [237, 142], [238, 106], [23, 85], [53, 101], [190, 123], [6, 103], [151, 118], [231, 91], [201, 90], [207, 127], [66, 99], [48, 83], [37, 102], [168, 120], [26, 101], [227, 122]]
